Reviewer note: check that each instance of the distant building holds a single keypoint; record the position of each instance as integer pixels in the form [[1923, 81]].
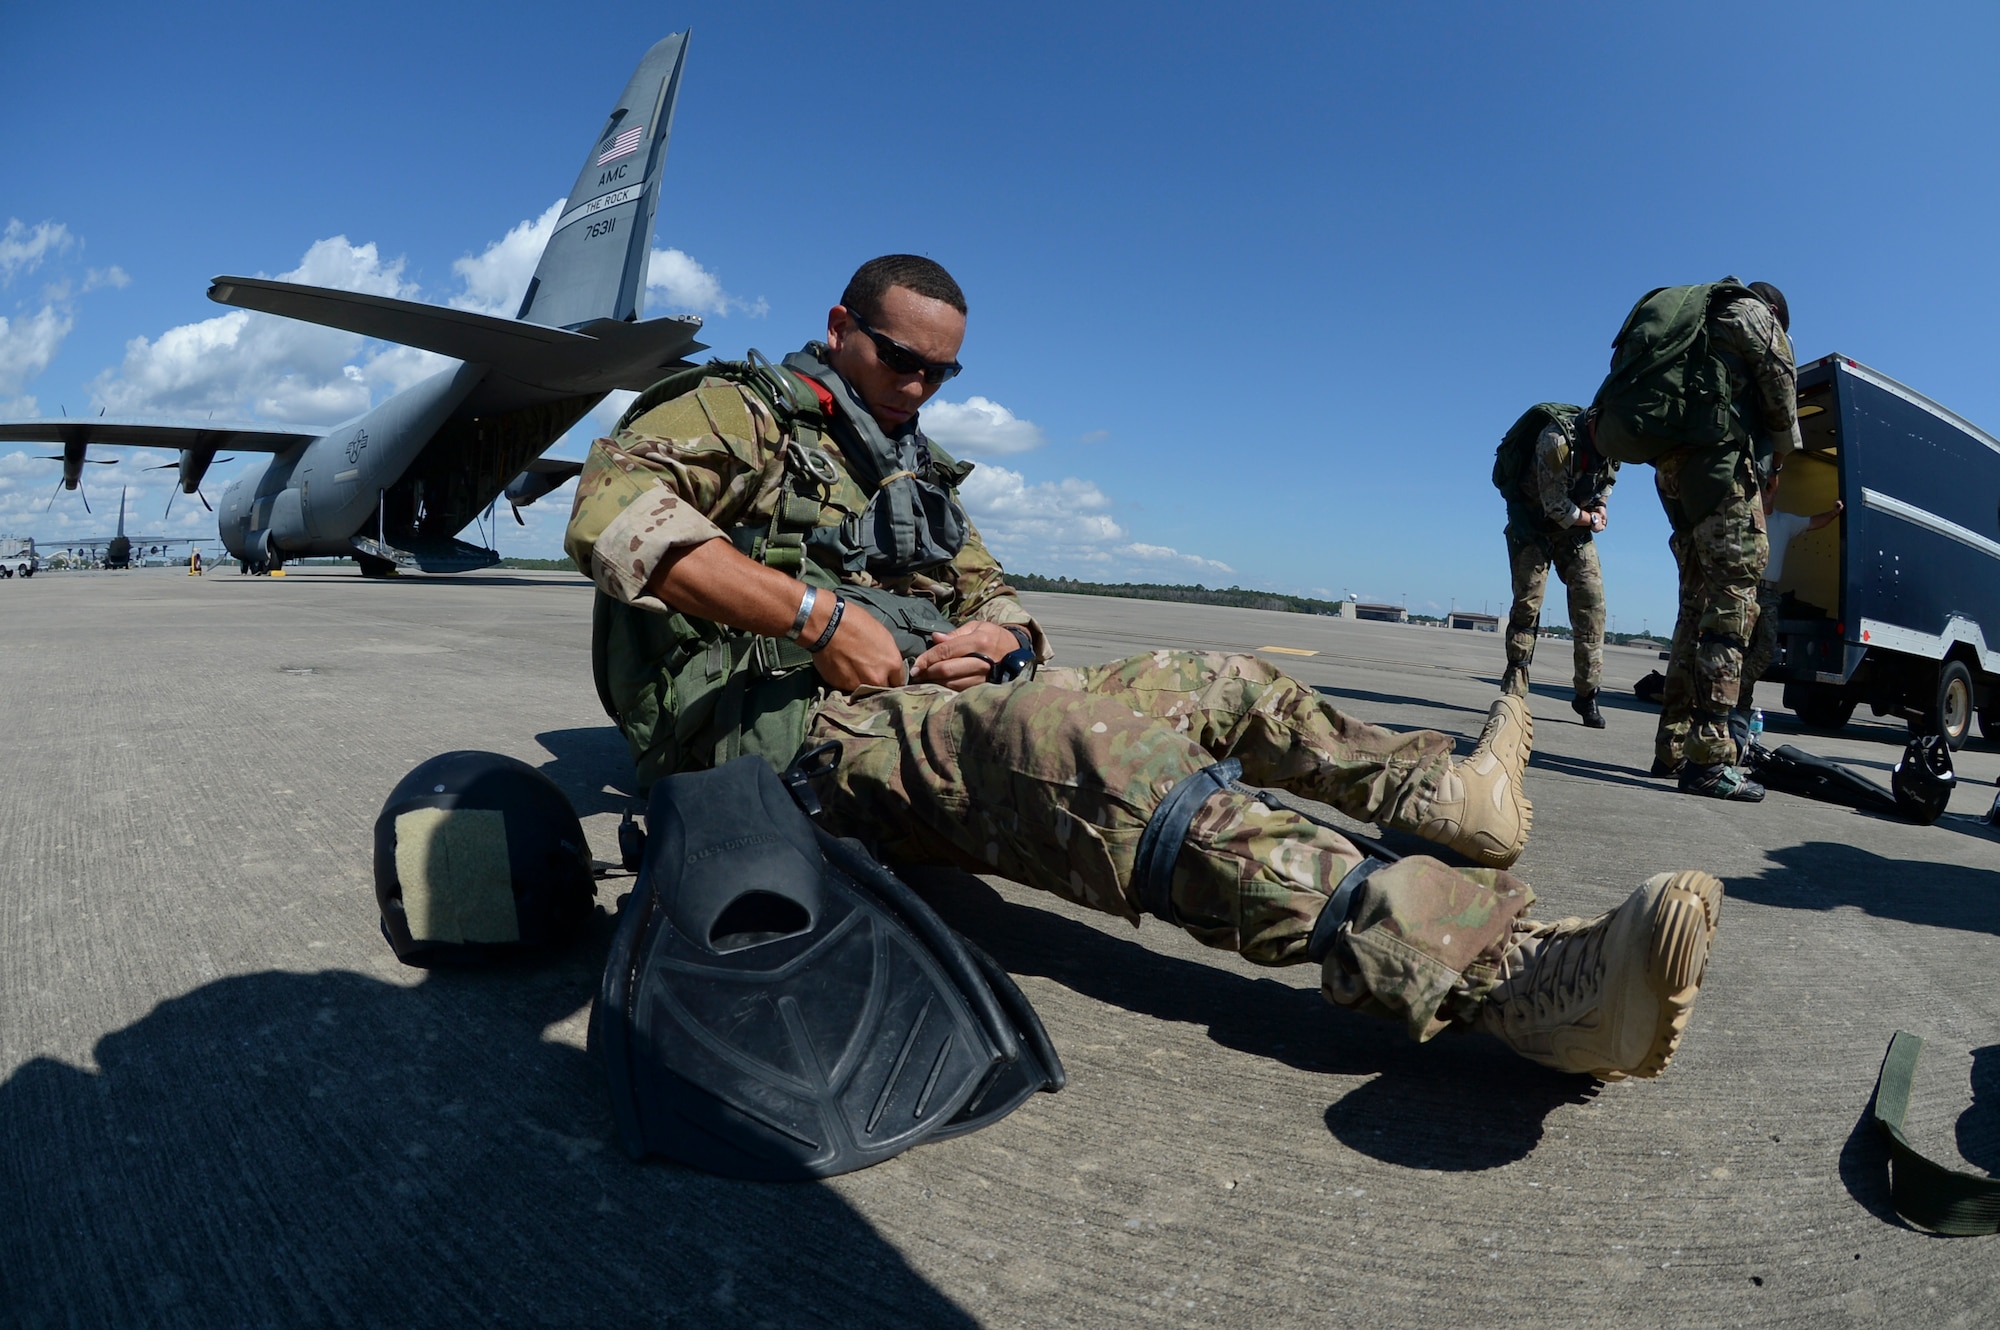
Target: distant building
[[1361, 609], [1485, 623]]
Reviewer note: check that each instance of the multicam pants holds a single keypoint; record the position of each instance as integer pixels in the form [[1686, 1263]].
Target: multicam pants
[[1721, 559], [1051, 781], [1574, 556]]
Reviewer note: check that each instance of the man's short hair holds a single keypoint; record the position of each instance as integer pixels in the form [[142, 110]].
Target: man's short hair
[[913, 272], [1775, 298]]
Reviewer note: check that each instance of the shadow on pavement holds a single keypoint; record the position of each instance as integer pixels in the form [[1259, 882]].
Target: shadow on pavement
[[1609, 772], [1824, 875], [593, 766], [1414, 1113], [1979, 1125], [330, 1149], [1392, 700]]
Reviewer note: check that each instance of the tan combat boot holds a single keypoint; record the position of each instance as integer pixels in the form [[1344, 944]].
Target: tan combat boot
[[1608, 996], [1479, 808]]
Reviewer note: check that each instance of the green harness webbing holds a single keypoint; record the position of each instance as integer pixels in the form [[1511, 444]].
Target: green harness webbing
[[1929, 1195]]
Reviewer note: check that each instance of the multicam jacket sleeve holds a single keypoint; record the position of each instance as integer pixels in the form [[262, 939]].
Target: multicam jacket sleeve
[[1750, 329], [1554, 475], [692, 468]]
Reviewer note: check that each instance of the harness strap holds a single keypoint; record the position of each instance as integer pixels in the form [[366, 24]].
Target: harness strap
[[1166, 830], [1943, 1200], [1160, 844], [1339, 906]]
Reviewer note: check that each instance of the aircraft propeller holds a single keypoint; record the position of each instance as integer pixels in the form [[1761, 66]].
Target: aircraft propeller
[[171, 466]]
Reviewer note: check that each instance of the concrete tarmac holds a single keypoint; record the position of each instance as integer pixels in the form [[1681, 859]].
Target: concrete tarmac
[[223, 1101]]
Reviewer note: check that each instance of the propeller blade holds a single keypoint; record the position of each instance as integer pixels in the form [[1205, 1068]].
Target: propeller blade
[[204, 500], [52, 498], [171, 492], [517, 515], [86, 496]]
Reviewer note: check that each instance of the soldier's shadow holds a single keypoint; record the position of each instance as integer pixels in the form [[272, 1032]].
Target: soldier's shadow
[[1825, 875], [313, 1149], [1414, 1112]]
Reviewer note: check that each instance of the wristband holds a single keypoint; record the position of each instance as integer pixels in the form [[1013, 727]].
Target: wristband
[[806, 604], [839, 608], [1021, 635]]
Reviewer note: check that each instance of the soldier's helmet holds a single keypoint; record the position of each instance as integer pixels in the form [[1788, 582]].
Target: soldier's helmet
[[478, 856], [1923, 780]]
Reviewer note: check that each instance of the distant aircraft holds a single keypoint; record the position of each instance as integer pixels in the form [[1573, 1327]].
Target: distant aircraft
[[393, 486], [117, 550]]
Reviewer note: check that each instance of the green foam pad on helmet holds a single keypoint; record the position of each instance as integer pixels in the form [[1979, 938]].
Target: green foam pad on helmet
[[457, 883]]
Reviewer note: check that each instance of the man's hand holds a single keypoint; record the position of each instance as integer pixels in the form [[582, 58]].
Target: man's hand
[[714, 581], [861, 652], [1599, 519], [964, 656]]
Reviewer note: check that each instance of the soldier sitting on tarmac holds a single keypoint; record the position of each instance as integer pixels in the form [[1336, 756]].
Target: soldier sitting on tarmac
[[782, 562], [1557, 490]]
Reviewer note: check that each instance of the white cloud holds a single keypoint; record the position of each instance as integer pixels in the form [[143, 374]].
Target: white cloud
[[686, 287], [29, 343], [23, 248], [496, 279], [98, 278], [242, 363], [1053, 526], [980, 427]]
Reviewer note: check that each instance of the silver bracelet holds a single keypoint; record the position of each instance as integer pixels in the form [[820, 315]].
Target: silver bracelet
[[806, 603]]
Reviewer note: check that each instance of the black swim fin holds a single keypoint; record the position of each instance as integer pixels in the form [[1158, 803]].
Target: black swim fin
[[778, 1006], [1920, 791]]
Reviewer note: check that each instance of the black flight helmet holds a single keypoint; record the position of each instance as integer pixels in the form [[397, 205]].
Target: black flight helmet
[[1775, 298], [1923, 780], [479, 856]]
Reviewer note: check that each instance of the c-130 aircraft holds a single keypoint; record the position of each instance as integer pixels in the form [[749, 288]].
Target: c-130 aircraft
[[392, 487]]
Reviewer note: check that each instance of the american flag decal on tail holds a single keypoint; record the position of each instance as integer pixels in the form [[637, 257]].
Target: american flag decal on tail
[[623, 145]]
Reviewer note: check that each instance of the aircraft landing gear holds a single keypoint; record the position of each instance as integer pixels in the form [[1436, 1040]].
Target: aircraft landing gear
[[374, 567]]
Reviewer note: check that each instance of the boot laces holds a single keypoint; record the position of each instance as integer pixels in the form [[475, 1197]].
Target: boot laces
[[1566, 965]]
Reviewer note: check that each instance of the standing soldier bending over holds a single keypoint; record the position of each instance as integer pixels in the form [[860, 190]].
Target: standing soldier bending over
[[1557, 490], [782, 561], [1702, 385]]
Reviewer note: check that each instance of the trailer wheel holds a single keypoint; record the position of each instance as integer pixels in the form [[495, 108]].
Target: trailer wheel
[[1951, 712], [1824, 711]]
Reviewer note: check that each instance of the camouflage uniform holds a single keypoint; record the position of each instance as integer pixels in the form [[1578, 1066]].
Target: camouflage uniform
[[1711, 499], [1051, 781], [1542, 532]]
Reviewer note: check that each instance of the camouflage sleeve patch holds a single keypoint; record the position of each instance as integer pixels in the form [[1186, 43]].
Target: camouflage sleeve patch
[[675, 477], [1552, 476], [1750, 329]]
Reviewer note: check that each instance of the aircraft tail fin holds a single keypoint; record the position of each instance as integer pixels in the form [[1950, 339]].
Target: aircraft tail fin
[[594, 266]]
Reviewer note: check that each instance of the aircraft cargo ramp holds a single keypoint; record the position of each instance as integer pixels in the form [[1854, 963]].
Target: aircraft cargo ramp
[[222, 1101]]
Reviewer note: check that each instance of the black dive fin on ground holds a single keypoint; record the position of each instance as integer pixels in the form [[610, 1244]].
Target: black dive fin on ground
[[1921, 787], [777, 1006]]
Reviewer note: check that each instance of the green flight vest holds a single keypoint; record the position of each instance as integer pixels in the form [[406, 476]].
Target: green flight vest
[[688, 693]]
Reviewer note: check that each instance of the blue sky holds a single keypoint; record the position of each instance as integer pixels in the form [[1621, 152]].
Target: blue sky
[[1253, 293]]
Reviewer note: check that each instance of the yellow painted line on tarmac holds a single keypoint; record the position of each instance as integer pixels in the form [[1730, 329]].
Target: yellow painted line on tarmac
[[1288, 651]]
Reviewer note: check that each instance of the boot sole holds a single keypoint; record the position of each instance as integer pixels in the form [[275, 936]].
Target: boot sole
[[1685, 916]]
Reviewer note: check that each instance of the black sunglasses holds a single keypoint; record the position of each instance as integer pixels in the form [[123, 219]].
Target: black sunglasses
[[902, 360]]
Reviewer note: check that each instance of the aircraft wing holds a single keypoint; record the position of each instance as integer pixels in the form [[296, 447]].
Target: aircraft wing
[[601, 355], [151, 432]]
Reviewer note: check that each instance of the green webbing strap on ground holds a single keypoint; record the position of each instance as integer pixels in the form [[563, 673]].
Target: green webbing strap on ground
[[1944, 1200]]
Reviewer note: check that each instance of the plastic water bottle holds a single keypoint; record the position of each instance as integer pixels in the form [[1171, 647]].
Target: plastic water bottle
[[1756, 724]]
